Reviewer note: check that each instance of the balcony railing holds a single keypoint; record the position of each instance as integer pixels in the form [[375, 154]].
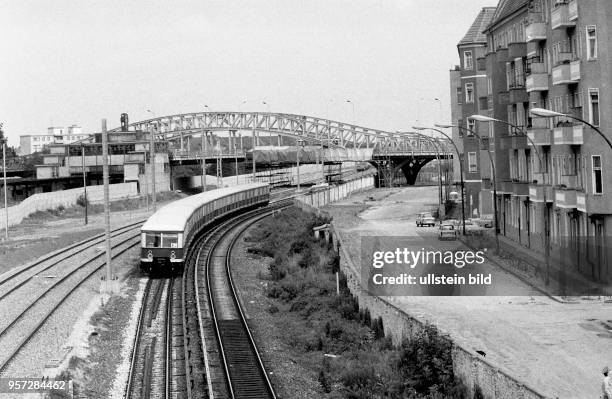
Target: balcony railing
[[540, 136], [517, 50], [540, 193], [559, 17], [518, 94], [562, 74], [535, 31], [520, 188], [537, 78], [572, 135], [565, 198]]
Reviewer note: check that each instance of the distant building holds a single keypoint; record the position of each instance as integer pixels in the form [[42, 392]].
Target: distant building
[[31, 143]]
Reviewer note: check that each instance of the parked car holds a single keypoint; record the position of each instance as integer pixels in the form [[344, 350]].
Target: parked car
[[425, 219], [447, 232]]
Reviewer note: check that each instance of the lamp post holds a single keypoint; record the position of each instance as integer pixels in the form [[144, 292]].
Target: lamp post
[[460, 170], [435, 144], [545, 113], [353, 105], [496, 219], [152, 156]]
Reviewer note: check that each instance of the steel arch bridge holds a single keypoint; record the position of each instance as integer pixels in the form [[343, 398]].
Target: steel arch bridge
[[388, 151], [310, 129]]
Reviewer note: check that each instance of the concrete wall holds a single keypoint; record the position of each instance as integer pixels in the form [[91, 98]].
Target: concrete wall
[[334, 193], [472, 369], [65, 198]]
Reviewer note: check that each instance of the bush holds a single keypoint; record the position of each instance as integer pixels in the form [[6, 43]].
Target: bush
[[81, 201]]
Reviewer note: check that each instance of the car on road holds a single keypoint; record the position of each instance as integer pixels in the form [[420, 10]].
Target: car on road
[[447, 232], [425, 219]]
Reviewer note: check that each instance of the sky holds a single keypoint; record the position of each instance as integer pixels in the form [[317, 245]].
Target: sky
[[77, 62]]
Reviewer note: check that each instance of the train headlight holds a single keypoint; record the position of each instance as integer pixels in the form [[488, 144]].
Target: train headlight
[[172, 255], [150, 254]]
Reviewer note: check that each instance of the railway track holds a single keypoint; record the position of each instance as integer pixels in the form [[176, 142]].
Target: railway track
[[26, 323], [237, 370], [11, 281], [195, 356]]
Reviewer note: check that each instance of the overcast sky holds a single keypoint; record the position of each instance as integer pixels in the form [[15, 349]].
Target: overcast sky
[[76, 62]]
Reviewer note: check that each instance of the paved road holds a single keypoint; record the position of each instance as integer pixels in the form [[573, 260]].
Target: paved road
[[557, 348]]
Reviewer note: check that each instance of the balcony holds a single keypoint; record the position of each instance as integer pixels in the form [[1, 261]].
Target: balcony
[[575, 71], [503, 98], [593, 204], [540, 193], [520, 188], [502, 55], [518, 94], [572, 10], [560, 17], [517, 50], [571, 135], [537, 77], [540, 136], [562, 74], [535, 32], [565, 198]]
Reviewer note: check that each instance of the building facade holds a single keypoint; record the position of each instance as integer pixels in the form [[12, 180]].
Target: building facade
[[469, 97], [31, 143], [554, 195]]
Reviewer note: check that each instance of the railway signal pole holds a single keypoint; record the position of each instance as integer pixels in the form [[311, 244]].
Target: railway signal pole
[[3, 142]]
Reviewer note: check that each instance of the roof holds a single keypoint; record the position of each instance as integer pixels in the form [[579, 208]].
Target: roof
[[475, 34], [506, 8], [174, 216]]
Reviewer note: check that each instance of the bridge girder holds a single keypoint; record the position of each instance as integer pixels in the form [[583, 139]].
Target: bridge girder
[[307, 128]]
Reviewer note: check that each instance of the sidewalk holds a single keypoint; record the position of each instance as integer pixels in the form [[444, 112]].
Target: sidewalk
[[530, 267]]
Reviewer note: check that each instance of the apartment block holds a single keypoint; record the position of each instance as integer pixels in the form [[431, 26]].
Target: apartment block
[[469, 97], [553, 191], [31, 143]]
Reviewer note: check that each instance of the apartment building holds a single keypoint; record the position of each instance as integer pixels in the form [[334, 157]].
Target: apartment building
[[31, 143], [551, 182], [469, 97]]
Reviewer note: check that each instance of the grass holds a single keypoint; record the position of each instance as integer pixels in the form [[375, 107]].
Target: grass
[[356, 357]]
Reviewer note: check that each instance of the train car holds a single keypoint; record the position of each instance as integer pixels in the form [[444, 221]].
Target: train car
[[167, 235]]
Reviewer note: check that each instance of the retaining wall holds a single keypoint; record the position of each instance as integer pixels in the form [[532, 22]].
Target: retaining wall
[[312, 201], [65, 198], [471, 368]]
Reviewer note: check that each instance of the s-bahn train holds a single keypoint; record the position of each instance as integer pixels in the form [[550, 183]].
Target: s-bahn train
[[168, 233]]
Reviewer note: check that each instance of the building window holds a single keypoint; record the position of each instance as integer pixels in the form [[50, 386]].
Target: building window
[[468, 60], [594, 106], [591, 33], [469, 93], [459, 95], [471, 125], [460, 123], [483, 103], [597, 178], [472, 162]]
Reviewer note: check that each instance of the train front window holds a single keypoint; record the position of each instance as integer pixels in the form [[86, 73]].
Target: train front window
[[153, 240], [170, 240]]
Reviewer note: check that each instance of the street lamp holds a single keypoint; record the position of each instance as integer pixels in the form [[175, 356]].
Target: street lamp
[[460, 170], [353, 105], [472, 132], [545, 113]]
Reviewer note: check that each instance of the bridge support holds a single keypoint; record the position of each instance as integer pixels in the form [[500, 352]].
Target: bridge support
[[387, 169]]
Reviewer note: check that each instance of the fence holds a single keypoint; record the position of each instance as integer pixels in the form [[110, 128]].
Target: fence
[[334, 193], [65, 198]]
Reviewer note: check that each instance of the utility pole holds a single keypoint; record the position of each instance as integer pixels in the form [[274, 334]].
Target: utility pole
[[152, 155], [3, 140], [253, 156], [109, 266], [84, 179]]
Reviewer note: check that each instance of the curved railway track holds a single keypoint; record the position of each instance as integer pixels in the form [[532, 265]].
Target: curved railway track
[[25, 325], [195, 343]]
